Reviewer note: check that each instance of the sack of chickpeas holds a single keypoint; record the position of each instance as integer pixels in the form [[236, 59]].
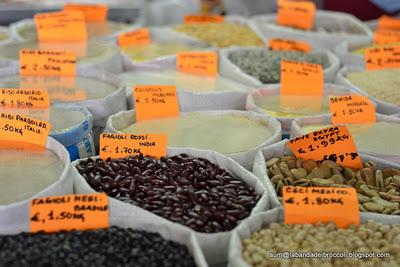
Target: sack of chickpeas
[[196, 190], [377, 183], [364, 135], [264, 240]]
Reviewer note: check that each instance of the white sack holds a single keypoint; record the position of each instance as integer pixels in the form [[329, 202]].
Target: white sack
[[230, 70], [297, 124], [344, 51], [382, 107], [266, 27], [248, 8], [124, 119], [163, 12], [274, 89], [214, 246], [14, 218]]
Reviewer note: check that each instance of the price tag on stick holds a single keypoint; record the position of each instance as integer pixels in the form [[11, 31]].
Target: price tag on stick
[[18, 128], [123, 145], [352, 109], [382, 57], [138, 37], [92, 12], [195, 19], [61, 26], [200, 63], [155, 102], [389, 23], [69, 212], [333, 143], [47, 62], [299, 14], [21, 98], [301, 79], [289, 45], [310, 205]]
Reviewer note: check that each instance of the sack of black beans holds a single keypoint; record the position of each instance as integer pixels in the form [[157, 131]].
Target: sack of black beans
[[259, 240], [381, 86], [197, 190], [330, 28], [195, 92], [377, 185], [102, 93], [28, 172], [376, 139], [128, 241], [268, 100], [256, 66], [236, 134]]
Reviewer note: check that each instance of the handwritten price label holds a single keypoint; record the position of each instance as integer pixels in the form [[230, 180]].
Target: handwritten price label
[[18, 98], [123, 145], [193, 19], [389, 23], [92, 13], [303, 205], [299, 14], [382, 57], [333, 143], [289, 45], [386, 36], [138, 37], [61, 26], [69, 212], [50, 62], [301, 78], [352, 109], [200, 63], [155, 102], [15, 127]]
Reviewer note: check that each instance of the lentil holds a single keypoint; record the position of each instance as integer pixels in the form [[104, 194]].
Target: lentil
[[368, 237], [265, 65], [190, 191], [378, 189], [114, 247]]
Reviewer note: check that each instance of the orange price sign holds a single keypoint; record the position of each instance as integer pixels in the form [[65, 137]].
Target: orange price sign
[[24, 98], [388, 23], [297, 14], [289, 45], [301, 78], [311, 205], [201, 63], [47, 62], [15, 127], [114, 145], [333, 143], [194, 19], [386, 36], [61, 26], [382, 57], [92, 12], [138, 37], [69, 212], [155, 102], [352, 109]]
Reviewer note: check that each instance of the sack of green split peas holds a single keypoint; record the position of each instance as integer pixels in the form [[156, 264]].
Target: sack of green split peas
[[243, 132], [376, 139], [377, 183], [265, 240], [198, 190]]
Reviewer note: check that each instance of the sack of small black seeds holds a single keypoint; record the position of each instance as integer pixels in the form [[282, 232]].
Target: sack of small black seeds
[[257, 241], [128, 242], [197, 190], [374, 202], [257, 66]]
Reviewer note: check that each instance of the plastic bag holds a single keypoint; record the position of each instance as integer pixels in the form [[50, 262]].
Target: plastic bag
[[124, 119], [214, 246]]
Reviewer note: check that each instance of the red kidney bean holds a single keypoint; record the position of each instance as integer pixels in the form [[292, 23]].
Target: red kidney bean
[[190, 191]]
